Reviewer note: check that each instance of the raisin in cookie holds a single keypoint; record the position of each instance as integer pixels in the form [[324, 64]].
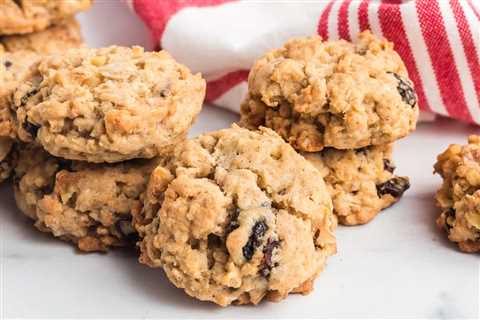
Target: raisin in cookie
[[235, 215], [26, 16], [318, 94], [6, 164], [459, 196], [88, 204], [52, 40], [107, 105], [361, 181]]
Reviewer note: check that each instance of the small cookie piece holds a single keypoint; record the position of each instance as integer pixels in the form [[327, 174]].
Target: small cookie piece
[[27, 16], [360, 181], [88, 204], [107, 105], [54, 39], [6, 164], [234, 216], [459, 196], [318, 94]]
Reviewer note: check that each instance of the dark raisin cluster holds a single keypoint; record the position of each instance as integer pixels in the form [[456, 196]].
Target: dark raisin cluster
[[405, 90], [394, 187], [254, 241], [267, 257], [233, 224]]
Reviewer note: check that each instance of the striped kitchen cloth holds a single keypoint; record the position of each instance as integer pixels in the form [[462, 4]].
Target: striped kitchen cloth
[[439, 40]]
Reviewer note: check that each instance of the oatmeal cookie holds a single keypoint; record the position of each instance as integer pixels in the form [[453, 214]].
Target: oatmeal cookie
[[26, 16], [459, 196], [318, 94], [108, 104], [19, 56], [88, 204], [234, 216], [52, 40], [6, 164], [15, 67], [361, 181]]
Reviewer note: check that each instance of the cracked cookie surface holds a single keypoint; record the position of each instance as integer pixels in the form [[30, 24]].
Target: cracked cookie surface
[[88, 204], [318, 94], [27, 16], [235, 216], [108, 104], [361, 182], [459, 195]]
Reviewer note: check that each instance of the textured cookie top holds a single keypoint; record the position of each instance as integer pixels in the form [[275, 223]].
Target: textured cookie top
[[459, 196], [237, 215], [88, 204], [54, 39], [345, 95], [26, 16], [361, 181], [109, 104]]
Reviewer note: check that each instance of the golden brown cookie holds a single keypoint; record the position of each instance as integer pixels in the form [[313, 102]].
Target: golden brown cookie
[[361, 181], [26, 16], [90, 205], [318, 94], [235, 216], [459, 196], [107, 105]]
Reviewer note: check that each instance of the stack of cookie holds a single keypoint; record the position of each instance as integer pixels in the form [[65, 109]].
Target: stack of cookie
[[341, 105], [91, 124], [100, 160], [28, 30], [100, 155], [232, 216]]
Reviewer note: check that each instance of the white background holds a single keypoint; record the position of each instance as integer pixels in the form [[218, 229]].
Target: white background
[[399, 265]]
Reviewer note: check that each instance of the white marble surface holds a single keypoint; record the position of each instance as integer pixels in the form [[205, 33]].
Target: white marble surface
[[399, 265]]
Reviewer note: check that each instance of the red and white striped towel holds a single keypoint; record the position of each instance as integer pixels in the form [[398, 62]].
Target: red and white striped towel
[[439, 40]]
